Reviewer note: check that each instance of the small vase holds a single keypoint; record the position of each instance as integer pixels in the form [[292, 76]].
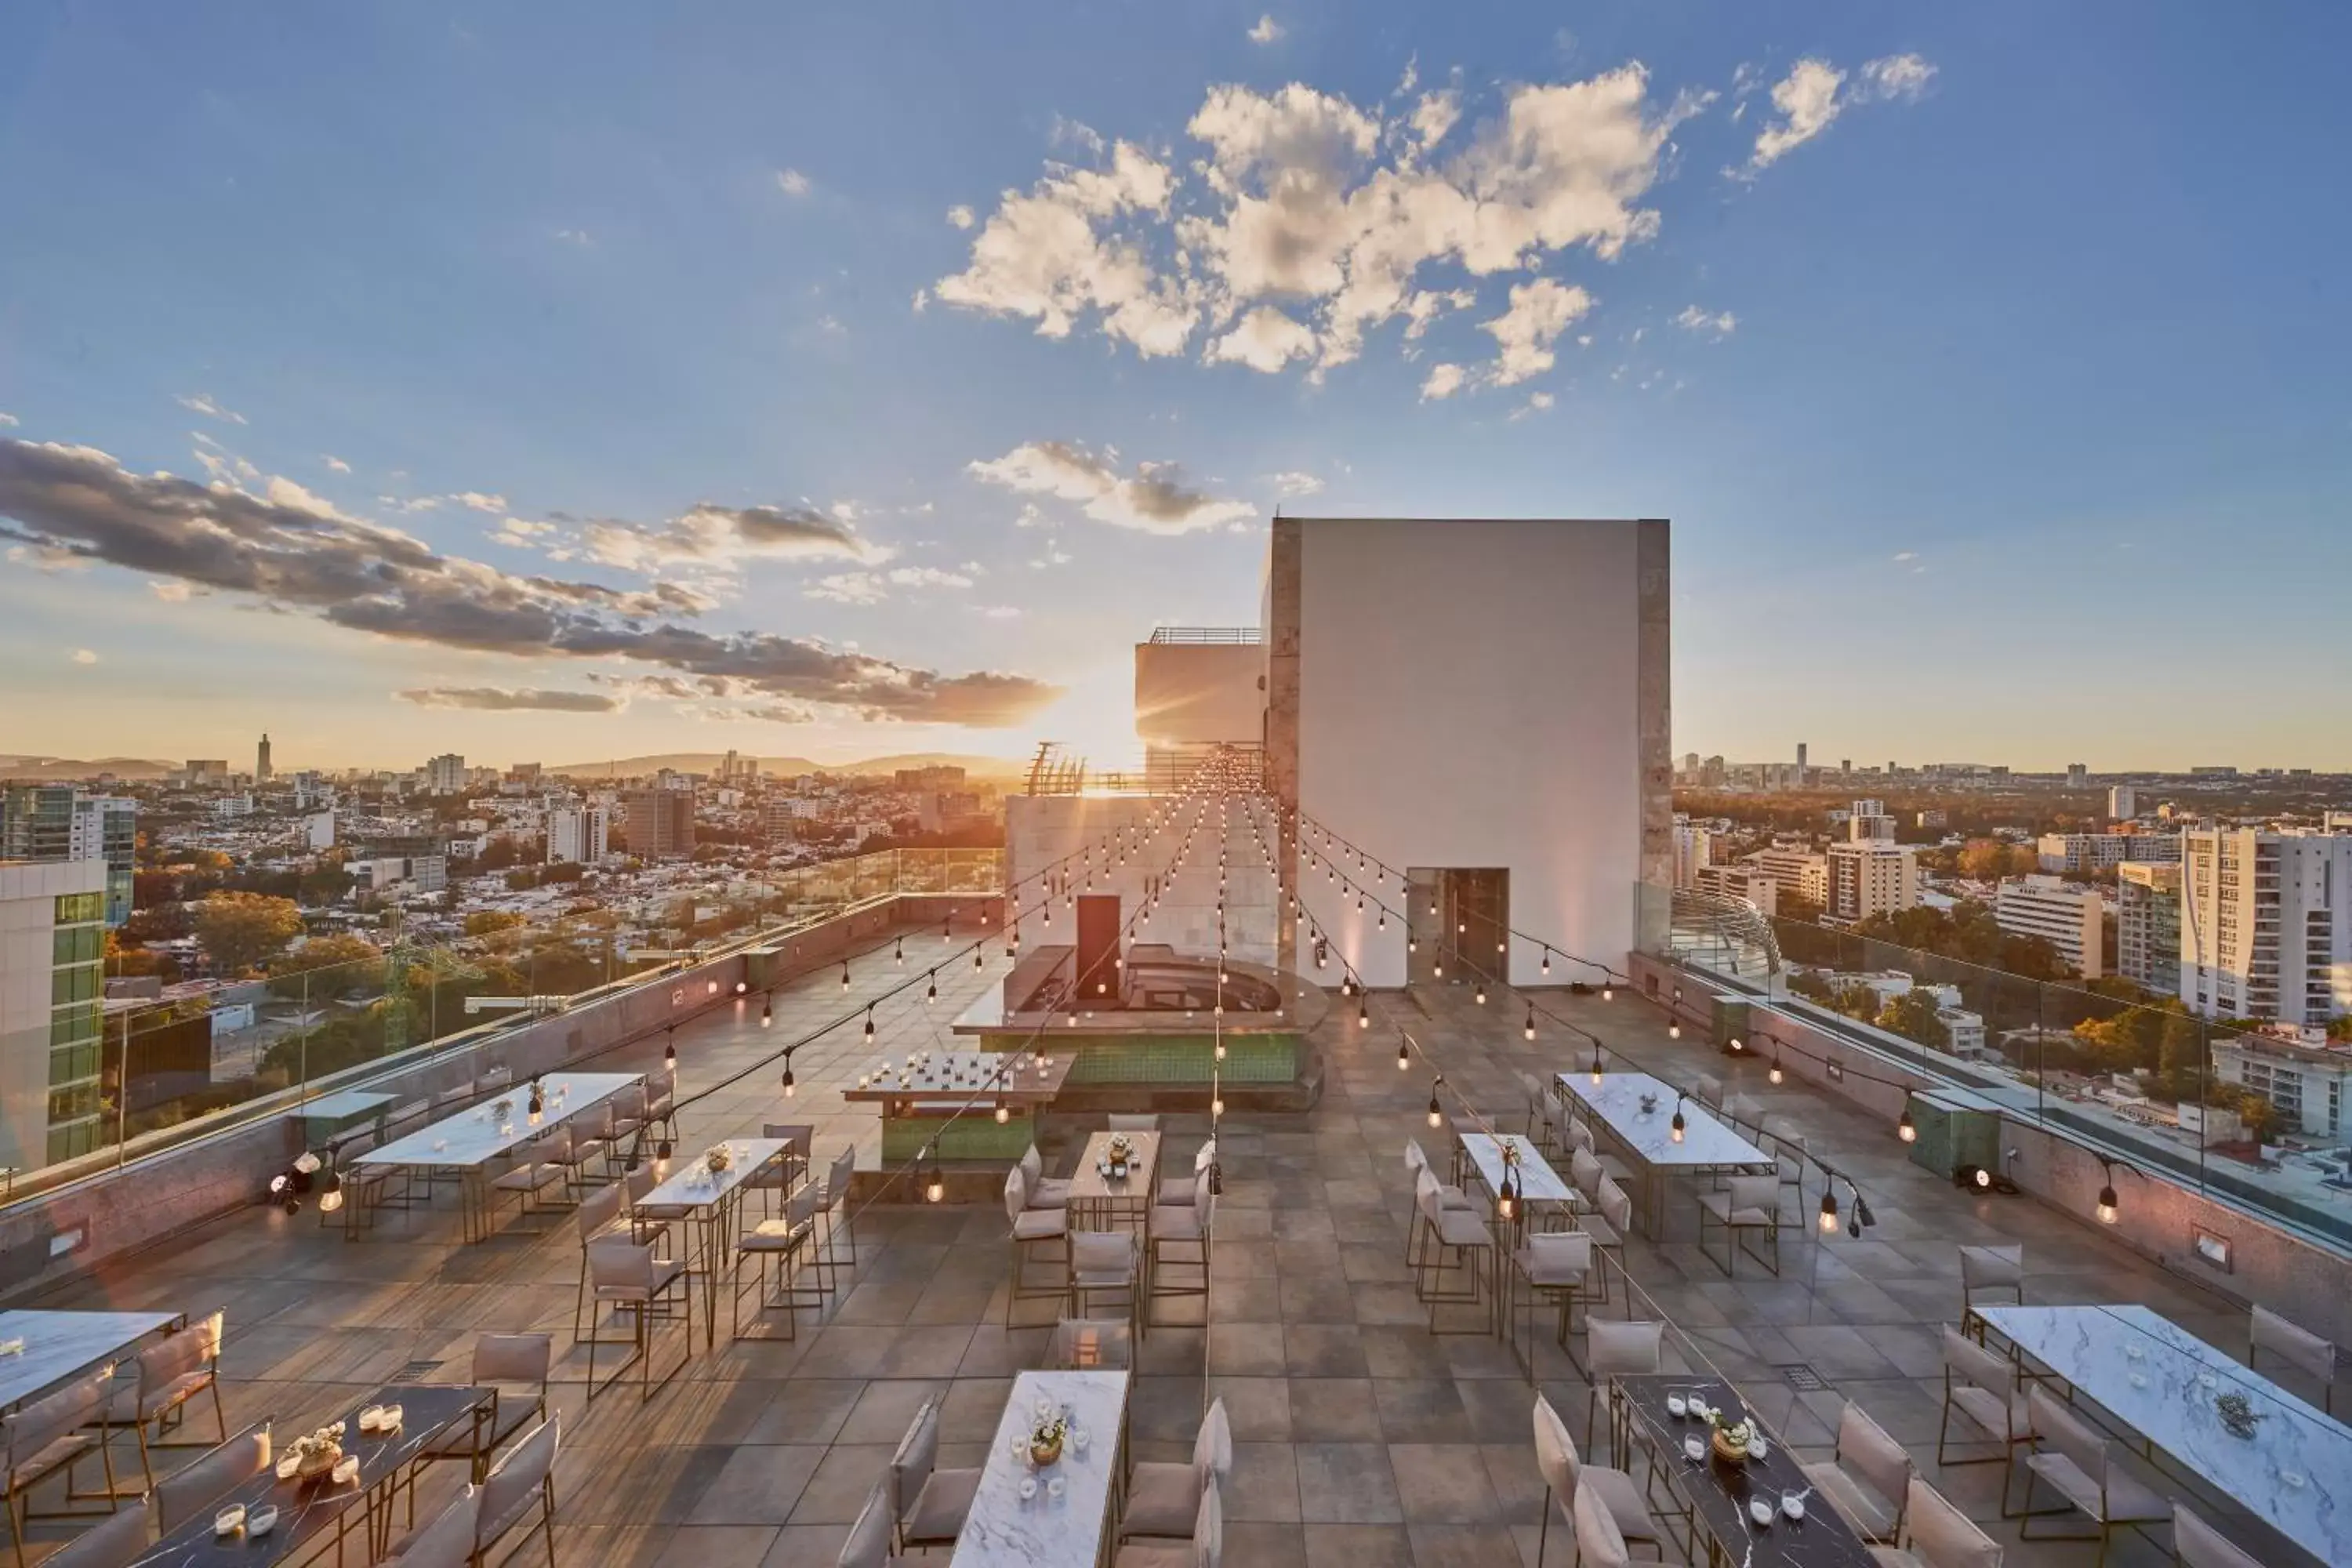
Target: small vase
[[315, 1465], [1728, 1452], [1044, 1454]]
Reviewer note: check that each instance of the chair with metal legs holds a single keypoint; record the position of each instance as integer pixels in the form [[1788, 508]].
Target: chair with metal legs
[[1615, 1348], [2082, 1466], [45, 1438], [1030, 1227], [1456, 1240], [171, 1374], [1564, 1471], [650, 1289], [786, 1244], [1983, 1387]]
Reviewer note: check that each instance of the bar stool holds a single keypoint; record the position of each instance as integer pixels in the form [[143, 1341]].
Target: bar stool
[[1031, 1227], [1470, 1242]]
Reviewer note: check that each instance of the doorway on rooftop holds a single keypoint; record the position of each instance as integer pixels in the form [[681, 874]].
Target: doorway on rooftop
[[1473, 914]]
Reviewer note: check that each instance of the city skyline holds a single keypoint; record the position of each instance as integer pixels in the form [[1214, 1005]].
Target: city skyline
[[557, 404]]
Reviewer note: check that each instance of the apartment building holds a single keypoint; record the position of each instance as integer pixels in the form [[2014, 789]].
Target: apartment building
[[2065, 915], [52, 942], [1694, 851], [2302, 1078], [2147, 925], [2103, 851], [64, 822], [578, 833], [2265, 930], [660, 822], [1867, 821], [1741, 882], [1797, 873], [1871, 876], [446, 775], [2122, 802]]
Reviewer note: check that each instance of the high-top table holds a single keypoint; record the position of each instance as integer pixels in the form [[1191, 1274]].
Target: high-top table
[[468, 1140], [927, 1100], [1005, 1530], [56, 1346], [705, 1200], [1647, 1136], [2292, 1466], [1099, 1201]]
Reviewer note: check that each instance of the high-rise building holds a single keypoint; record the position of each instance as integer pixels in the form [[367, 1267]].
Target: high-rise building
[[201, 771], [261, 760], [2147, 925], [2265, 931], [446, 775], [2063, 913], [64, 822], [1694, 850], [1741, 882], [2078, 776], [2099, 851], [2123, 805], [52, 946], [1871, 876], [1800, 764], [658, 822], [1797, 873], [1868, 822], [578, 833]]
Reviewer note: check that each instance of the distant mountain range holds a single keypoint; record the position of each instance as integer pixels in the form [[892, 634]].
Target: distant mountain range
[[784, 767], [45, 770]]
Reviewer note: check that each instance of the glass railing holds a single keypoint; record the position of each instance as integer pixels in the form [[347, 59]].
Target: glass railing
[[98, 1087], [2216, 1105]]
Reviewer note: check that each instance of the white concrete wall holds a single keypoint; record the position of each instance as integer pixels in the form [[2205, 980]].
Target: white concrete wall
[[1472, 694], [1190, 694]]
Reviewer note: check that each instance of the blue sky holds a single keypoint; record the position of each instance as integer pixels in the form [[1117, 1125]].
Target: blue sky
[[1990, 361]]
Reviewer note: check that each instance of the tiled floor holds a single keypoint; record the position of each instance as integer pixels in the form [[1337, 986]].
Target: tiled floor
[[1363, 1439]]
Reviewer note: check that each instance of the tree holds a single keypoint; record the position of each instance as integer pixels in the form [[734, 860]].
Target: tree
[[1808, 983], [243, 931], [1913, 1017], [489, 922], [326, 967]]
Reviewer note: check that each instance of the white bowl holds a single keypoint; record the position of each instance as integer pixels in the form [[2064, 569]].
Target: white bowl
[[1695, 1447], [261, 1521], [1677, 1406], [1760, 1510], [1758, 1450], [229, 1521], [1794, 1506], [1028, 1487]]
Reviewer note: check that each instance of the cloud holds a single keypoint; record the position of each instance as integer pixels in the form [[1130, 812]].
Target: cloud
[[1307, 221], [202, 403], [84, 656], [998, 612], [1720, 325], [1154, 498], [793, 182], [172, 592], [1442, 381], [1902, 555], [1523, 334], [960, 216], [1294, 483], [7, 420], [873, 587], [505, 699], [363, 576], [1268, 30], [717, 538], [1814, 93], [1266, 340], [574, 236], [1537, 403], [1897, 77], [1053, 255], [334, 463]]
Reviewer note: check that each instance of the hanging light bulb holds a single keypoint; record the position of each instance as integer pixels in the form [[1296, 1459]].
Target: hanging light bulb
[[1363, 1015], [2108, 1209], [1904, 1128], [1411, 943], [1547, 960], [669, 1050], [1675, 1128], [1404, 1059], [1220, 1046], [1506, 1200], [975, 960], [932, 994], [898, 950], [788, 1078], [845, 974], [1675, 1030], [1436, 1115], [1438, 966], [741, 987], [1608, 992], [1004, 1113], [1531, 1021], [1596, 1063], [1382, 923], [1829, 1211], [1482, 993], [1774, 1074], [935, 1189], [869, 1021], [1217, 1104]]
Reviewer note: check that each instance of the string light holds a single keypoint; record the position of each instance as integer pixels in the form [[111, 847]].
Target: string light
[[1363, 1015], [741, 986], [1531, 1021], [669, 1049], [788, 1078], [1675, 1128], [845, 974], [1775, 1074], [1596, 1063], [1547, 960], [898, 951], [1829, 1211], [1436, 1114], [768, 1011], [1404, 1058], [1907, 1129], [931, 996], [869, 1020]]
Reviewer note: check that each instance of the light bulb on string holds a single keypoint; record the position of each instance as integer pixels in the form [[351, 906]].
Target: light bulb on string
[[1904, 1128], [1547, 960], [1436, 1114], [1675, 1128], [869, 1021], [1531, 1024], [1774, 1074], [845, 974], [899, 952], [1829, 1220], [1596, 1063], [1404, 1059], [768, 1011], [788, 1078]]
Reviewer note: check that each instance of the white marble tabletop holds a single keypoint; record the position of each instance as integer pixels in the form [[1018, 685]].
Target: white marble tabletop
[[2159, 1380], [60, 1345], [1005, 1530], [1019, 1076], [692, 1185], [473, 1136], [1616, 1100], [1089, 1184], [344, 1103], [1538, 1182]]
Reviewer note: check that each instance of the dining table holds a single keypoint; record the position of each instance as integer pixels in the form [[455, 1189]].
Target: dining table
[[1638, 1112], [470, 1142], [1099, 1199], [307, 1510], [1059, 1514], [706, 1202], [1721, 1493], [41, 1349], [2282, 1459], [1493, 1155]]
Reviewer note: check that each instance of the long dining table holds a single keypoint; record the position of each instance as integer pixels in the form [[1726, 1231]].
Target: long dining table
[[469, 1140], [2283, 1460], [40, 1349], [706, 1202], [1074, 1530], [1638, 1110]]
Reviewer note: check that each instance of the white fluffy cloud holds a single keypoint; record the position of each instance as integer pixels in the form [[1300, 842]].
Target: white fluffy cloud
[[793, 182], [7, 420], [1294, 483], [1814, 93], [1154, 498], [84, 656], [1268, 30], [334, 463], [1442, 381], [1305, 222], [960, 216], [873, 587], [1721, 324], [1523, 334], [202, 403]]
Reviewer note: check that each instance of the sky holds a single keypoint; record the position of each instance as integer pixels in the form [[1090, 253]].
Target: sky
[[558, 381]]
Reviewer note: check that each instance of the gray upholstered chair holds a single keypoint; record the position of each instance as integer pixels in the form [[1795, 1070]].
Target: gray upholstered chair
[[1118, 1122], [193, 1491], [447, 1541], [1164, 1498], [1557, 1265], [786, 1244], [1598, 1543], [515, 1367], [2081, 1467], [1565, 1474], [1206, 1548], [117, 1540], [1105, 1262], [172, 1371], [1868, 1478], [929, 1503], [46, 1436], [2299, 1347], [649, 1289], [1045, 1191], [1030, 1229], [1748, 1206], [1939, 1535], [522, 1483], [1983, 1388], [1178, 1236], [1998, 1269], [1615, 1348], [2196, 1544], [868, 1545], [1454, 1239]]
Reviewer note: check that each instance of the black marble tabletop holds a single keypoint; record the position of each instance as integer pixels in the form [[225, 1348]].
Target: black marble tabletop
[[305, 1509], [1721, 1492]]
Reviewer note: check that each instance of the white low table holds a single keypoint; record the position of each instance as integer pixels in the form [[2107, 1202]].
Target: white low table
[[1007, 1531], [2154, 1377], [469, 1139], [1647, 1136]]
